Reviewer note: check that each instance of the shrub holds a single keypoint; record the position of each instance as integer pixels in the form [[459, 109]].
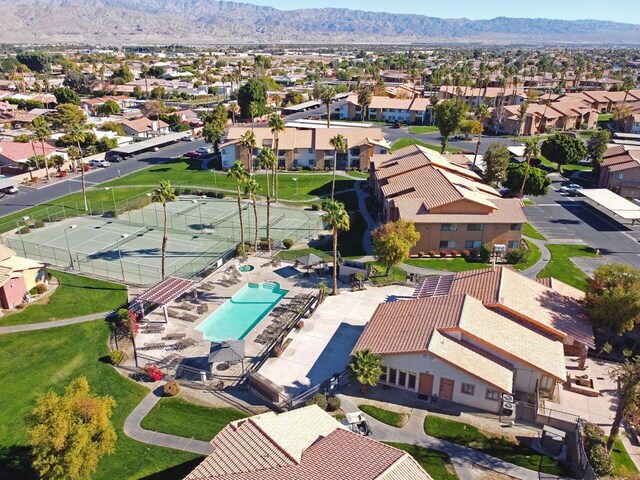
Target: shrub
[[38, 224], [287, 243], [485, 253], [40, 288], [24, 229], [443, 253], [97, 212], [333, 404], [62, 174], [211, 194], [85, 167], [20, 306], [465, 253], [315, 207], [171, 389], [432, 253], [300, 325], [277, 351], [110, 214], [420, 254], [220, 195], [153, 372], [320, 400], [517, 256], [123, 314], [116, 357], [455, 253], [595, 448]]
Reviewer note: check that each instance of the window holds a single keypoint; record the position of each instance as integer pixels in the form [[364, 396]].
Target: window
[[468, 389], [492, 394], [516, 226], [546, 383], [311, 150], [619, 176], [412, 381], [449, 227], [384, 374], [475, 227], [392, 376], [447, 244], [354, 151], [473, 244], [514, 244], [402, 378]]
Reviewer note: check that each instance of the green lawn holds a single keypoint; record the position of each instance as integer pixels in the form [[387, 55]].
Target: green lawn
[[561, 267], [385, 416], [624, 465], [178, 417], [446, 264], [358, 175], [75, 296], [32, 363], [530, 231], [423, 129], [534, 255], [499, 447], [437, 464], [569, 168], [396, 275], [605, 117], [528, 202], [405, 142], [291, 255]]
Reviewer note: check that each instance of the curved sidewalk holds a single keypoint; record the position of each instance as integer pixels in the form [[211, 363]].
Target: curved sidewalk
[[133, 429], [53, 324]]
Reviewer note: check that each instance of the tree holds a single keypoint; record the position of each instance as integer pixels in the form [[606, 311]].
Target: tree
[[613, 298], [449, 114], [42, 133], [537, 182], [393, 241], [234, 109], [482, 113], [292, 98], [364, 100], [153, 109], [79, 82], [252, 188], [267, 160], [110, 107], [337, 218], [627, 376], [71, 432], [240, 175], [122, 75], [470, 127], [214, 126], [35, 61], [596, 148], [277, 127], [248, 141], [530, 150], [327, 94], [563, 150], [496, 159], [66, 95], [113, 127], [77, 133], [339, 144], [163, 194], [252, 91], [65, 114], [522, 115], [365, 367]]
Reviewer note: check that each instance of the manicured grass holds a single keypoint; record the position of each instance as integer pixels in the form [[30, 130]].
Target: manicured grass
[[32, 363], [437, 464], [178, 417], [624, 465], [74, 297], [358, 175], [500, 447], [385, 416], [446, 264], [396, 275], [291, 255], [605, 117], [187, 172], [405, 142], [529, 230], [528, 202], [534, 255], [423, 129], [568, 168], [561, 267]]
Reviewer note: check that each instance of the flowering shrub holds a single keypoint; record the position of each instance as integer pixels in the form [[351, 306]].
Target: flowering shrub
[[171, 389], [153, 372], [595, 448], [465, 253], [454, 253], [132, 323], [432, 253], [443, 253]]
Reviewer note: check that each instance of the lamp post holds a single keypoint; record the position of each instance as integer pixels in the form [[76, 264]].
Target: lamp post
[[124, 235], [113, 196], [24, 219], [215, 179], [295, 179], [66, 237]]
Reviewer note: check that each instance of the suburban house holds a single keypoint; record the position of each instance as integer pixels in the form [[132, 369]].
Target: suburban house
[[620, 170], [145, 128], [18, 275], [474, 336], [451, 208], [298, 147], [14, 155], [490, 96], [90, 105], [386, 109], [302, 444]]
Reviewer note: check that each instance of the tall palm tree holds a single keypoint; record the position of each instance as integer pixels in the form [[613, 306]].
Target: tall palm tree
[[42, 133], [483, 112], [164, 193], [235, 110], [531, 150], [277, 127], [327, 94], [248, 141], [364, 100], [239, 173], [252, 188], [77, 132], [543, 120], [337, 218], [144, 72], [365, 367], [339, 144], [267, 160]]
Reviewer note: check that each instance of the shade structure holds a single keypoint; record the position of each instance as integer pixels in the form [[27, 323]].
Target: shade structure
[[227, 351], [309, 260], [167, 290]]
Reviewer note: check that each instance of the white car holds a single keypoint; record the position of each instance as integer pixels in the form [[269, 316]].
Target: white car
[[99, 163], [571, 188], [204, 150], [11, 190], [188, 138]]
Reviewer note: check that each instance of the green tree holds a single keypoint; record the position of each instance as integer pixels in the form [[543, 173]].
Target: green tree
[[327, 94], [292, 98], [563, 150], [42, 133], [530, 150], [65, 114], [627, 375], [153, 109], [163, 194], [597, 146], [482, 113], [470, 127], [393, 241], [537, 182], [277, 127], [365, 367], [122, 75], [267, 160], [110, 107], [364, 100], [113, 127], [252, 91], [22, 138], [35, 61], [522, 115], [66, 95], [337, 219], [339, 144], [448, 115], [496, 159], [248, 141], [252, 188], [240, 175], [214, 126], [70, 433], [77, 133]]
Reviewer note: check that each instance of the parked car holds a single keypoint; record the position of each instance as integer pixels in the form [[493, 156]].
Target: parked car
[[397, 125], [99, 163], [192, 154], [570, 188], [2, 194], [356, 422], [188, 138], [11, 190], [204, 150], [116, 159]]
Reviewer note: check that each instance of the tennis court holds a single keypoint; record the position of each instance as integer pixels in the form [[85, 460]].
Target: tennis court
[[128, 248]]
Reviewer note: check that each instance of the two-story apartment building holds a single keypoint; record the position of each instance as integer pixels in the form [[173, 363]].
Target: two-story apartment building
[[386, 109], [490, 96], [620, 170]]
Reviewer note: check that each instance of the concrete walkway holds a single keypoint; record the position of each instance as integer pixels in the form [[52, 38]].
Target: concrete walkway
[[55, 323], [366, 235], [133, 429]]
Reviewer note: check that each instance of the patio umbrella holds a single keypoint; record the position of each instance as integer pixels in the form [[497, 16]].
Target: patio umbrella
[[227, 351], [309, 260]]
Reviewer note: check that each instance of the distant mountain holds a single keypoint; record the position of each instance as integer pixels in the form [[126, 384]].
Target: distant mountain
[[222, 22]]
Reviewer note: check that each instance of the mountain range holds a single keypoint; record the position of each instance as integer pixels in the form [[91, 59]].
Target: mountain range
[[209, 22]]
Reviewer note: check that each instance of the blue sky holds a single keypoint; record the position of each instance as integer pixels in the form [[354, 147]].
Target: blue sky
[[620, 11]]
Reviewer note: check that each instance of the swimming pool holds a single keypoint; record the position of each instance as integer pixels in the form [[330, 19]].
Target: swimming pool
[[238, 315]]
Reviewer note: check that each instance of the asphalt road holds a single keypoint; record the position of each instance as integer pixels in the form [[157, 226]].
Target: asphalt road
[[29, 197]]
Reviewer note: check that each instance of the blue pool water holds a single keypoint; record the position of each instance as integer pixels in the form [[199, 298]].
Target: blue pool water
[[238, 315]]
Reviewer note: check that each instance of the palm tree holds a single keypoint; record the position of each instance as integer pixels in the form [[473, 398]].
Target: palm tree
[[239, 173], [267, 160], [364, 100], [77, 132], [252, 188], [531, 150], [248, 141], [543, 120], [365, 367], [327, 94], [42, 133], [235, 110], [277, 126], [164, 193], [338, 143], [483, 112], [144, 72], [338, 219]]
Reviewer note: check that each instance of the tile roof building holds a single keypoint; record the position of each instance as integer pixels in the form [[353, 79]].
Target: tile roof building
[[386, 109], [18, 275], [302, 444], [620, 170]]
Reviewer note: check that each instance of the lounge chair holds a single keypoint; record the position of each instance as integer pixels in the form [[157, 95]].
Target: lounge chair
[[153, 346], [174, 336], [189, 317], [203, 308], [187, 306], [154, 329], [182, 344]]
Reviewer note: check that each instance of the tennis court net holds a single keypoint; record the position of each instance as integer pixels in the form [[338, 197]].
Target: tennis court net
[[125, 238]]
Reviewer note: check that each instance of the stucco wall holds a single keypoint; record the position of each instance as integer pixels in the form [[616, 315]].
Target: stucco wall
[[12, 292]]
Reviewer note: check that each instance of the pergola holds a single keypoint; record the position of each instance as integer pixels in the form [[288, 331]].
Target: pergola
[[165, 292]]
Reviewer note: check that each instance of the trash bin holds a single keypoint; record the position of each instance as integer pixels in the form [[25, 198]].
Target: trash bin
[[203, 376]]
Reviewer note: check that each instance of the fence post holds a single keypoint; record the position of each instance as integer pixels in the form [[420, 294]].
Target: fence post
[[48, 215]]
